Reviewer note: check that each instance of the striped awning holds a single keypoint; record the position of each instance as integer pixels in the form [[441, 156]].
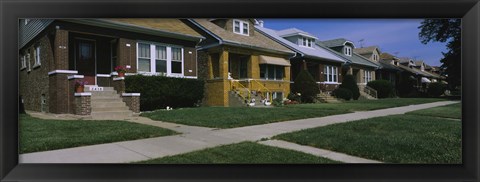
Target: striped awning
[[273, 60], [425, 80]]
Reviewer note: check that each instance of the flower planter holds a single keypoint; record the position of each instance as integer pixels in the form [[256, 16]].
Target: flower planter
[[121, 74], [79, 89]]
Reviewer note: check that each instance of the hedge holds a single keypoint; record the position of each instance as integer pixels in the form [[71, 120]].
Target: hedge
[[349, 83], [384, 88], [436, 89], [158, 92], [342, 93], [306, 86]]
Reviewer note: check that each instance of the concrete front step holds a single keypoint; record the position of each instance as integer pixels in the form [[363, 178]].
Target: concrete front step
[[112, 108], [111, 114], [108, 104]]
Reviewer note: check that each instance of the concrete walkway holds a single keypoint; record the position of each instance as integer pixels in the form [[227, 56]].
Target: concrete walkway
[[197, 138], [336, 156]]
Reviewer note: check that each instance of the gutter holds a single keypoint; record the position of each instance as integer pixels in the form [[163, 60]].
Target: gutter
[[134, 28]]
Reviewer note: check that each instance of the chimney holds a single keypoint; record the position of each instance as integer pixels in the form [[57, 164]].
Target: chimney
[[260, 23]]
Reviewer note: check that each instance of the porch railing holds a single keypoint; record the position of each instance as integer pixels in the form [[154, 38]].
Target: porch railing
[[240, 89], [370, 91], [266, 93]]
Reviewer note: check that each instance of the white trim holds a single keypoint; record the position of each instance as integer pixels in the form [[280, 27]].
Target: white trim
[[37, 57], [63, 71], [118, 78], [104, 75], [130, 94], [81, 94], [332, 83], [241, 23], [169, 60], [74, 76]]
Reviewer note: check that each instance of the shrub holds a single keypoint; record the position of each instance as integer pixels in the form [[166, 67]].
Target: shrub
[[278, 101], [384, 88], [306, 86], [406, 86], [342, 93], [349, 83], [158, 92], [294, 97], [436, 89]]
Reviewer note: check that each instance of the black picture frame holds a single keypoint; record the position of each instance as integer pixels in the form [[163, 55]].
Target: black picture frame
[[11, 11]]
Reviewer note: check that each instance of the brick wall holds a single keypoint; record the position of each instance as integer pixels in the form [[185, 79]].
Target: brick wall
[[202, 60], [35, 83], [83, 105], [60, 92], [127, 55], [216, 92], [61, 50], [118, 85], [133, 103]]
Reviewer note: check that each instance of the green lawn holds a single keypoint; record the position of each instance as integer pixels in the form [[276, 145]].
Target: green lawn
[[366, 105], [449, 111], [42, 135], [230, 117], [392, 139], [241, 153]]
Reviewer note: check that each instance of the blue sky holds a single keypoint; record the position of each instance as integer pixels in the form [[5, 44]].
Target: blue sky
[[391, 35]]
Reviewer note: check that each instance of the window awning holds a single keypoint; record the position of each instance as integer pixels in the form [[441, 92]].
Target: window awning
[[273, 60], [425, 80]]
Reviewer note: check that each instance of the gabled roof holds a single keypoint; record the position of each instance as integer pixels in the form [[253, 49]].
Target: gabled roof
[[354, 59], [366, 50], [387, 56], [385, 64], [258, 41], [414, 71], [294, 31], [335, 42], [314, 52], [404, 60], [164, 24]]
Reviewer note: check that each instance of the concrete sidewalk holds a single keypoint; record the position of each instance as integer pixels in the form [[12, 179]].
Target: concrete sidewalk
[[197, 138]]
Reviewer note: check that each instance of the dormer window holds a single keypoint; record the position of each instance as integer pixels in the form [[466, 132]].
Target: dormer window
[[307, 42], [347, 50], [375, 57], [240, 27]]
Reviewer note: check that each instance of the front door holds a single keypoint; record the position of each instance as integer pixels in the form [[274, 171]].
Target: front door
[[85, 60]]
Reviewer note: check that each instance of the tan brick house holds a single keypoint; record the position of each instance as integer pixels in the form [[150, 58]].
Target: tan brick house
[[240, 64], [53, 54]]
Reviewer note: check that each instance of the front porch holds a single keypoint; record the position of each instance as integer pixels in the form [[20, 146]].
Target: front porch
[[246, 75]]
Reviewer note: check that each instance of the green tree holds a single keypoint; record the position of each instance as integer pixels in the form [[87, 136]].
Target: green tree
[[306, 86], [443, 30]]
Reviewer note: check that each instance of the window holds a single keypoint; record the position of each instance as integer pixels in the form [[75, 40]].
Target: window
[[28, 62], [165, 59], [306, 42], [144, 58], [160, 59], [375, 57], [36, 53], [271, 72], [27, 21], [348, 50], [277, 95], [23, 62], [177, 60], [367, 76], [240, 27], [330, 73]]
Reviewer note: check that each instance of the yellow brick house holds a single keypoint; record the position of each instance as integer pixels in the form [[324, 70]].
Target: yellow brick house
[[240, 65]]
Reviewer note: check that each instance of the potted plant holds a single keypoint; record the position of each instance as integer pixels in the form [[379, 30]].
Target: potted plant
[[80, 86], [121, 71]]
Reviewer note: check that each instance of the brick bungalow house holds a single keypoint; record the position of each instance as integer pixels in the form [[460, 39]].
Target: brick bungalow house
[[362, 69], [240, 64], [323, 65], [387, 70], [53, 54]]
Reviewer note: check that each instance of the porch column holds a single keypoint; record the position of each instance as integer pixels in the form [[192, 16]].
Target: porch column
[[209, 67], [253, 69], [350, 71], [304, 65], [223, 64], [60, 50]]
